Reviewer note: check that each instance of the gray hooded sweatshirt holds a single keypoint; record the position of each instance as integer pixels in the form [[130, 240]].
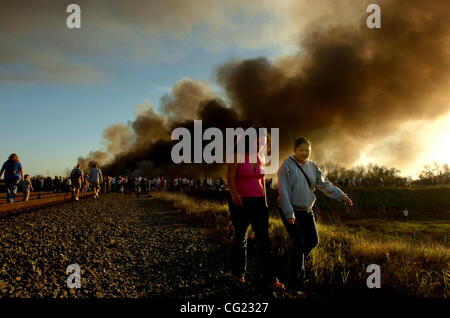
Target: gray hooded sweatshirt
[[294, 190]]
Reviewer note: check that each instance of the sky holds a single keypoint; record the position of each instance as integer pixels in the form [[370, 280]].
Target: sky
[[53, 112], [60, 88], [55, 123]]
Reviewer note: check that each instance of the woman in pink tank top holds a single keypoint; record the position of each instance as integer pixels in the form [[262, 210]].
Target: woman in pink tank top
[[248, 205]]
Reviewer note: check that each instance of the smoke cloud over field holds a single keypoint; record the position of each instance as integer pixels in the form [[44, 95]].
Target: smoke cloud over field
[[347, 87]]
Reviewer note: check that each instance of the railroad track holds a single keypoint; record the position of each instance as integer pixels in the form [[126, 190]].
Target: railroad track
[[36, 200]]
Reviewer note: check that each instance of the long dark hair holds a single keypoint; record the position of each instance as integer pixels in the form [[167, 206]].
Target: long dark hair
[[13, 157]]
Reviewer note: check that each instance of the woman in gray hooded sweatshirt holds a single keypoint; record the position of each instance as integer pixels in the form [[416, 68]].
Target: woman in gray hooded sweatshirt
[[297, 179]]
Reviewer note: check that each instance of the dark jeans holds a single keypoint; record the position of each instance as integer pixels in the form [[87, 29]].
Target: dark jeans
[[254, 212], [304, 239]]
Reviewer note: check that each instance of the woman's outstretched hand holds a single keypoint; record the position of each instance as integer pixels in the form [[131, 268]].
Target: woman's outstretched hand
[[347, 200]]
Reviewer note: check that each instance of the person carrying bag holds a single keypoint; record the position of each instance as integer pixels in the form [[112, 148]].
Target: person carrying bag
[[297, 179]]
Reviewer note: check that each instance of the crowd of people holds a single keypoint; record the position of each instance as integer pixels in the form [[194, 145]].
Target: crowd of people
[[136, 185], [247, 185], [358, 182], [83, 181], [80, 182]]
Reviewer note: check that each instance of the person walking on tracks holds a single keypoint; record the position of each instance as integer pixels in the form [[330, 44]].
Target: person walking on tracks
[[27, 187], [96, 179], [76, 177], [297, 179], [13, 171]]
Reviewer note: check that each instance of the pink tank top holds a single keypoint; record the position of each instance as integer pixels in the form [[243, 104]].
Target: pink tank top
[[250, 182]]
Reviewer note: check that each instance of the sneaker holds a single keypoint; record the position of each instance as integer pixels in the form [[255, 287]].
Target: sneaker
[[239, 279], [76, 199], [276, 286]]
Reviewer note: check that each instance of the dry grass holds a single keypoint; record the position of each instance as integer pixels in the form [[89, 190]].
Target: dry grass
[[341, 259]]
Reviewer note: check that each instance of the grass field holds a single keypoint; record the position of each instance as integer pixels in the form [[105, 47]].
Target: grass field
[[351, 240]]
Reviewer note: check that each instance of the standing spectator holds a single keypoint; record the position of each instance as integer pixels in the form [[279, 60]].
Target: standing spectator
[[96, 179], [69, 184], [347, 182], [104, 184], [108, 184], [48, 184], [138, 186], [55, 184], [210, 184], [27, 187], [120, 182], [132, 186], [143, 183], [150, 184], [13, 171], [113, 184], [76, 177], [381, 181], [176, 184], [405, 215]]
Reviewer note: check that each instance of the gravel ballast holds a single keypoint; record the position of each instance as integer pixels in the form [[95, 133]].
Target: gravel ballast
[[124, 248]]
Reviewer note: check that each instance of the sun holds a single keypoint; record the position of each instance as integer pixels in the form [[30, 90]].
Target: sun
[[431, 143], [439, 138]]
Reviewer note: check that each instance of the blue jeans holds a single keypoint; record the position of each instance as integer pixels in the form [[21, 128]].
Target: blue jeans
[[304, 239], [11, 190]]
